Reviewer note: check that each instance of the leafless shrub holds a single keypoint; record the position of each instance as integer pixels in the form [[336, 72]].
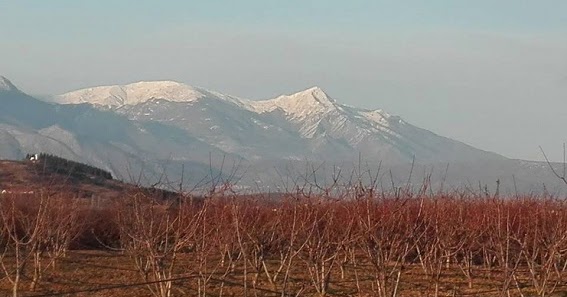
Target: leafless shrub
[[152, 234], [37, 230], [388, 234]]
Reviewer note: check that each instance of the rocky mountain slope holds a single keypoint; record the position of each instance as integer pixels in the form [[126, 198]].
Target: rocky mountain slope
[[305, 125], [101, 138]]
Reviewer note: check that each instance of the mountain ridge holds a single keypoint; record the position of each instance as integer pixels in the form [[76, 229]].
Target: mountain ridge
[[157, 138], [6, 85], [313, 124], [133, 93]]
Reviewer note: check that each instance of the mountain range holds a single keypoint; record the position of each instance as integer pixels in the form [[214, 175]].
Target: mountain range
[[305, 125], [149, 131]]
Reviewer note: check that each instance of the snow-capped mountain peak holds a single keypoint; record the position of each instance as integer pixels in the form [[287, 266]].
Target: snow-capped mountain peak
[[311, 96], [132, 94], [300, 104], [6, 85], [315, 93]]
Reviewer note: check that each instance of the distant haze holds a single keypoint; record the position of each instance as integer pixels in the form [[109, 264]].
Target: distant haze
[[492, 74]]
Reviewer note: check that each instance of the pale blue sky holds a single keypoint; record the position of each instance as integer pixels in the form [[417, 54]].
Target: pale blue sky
[[490, 73]]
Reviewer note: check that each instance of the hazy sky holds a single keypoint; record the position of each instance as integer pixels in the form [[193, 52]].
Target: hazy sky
[[490, 73]]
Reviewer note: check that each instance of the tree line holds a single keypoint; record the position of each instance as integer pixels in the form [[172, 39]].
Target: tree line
[[60, 165]]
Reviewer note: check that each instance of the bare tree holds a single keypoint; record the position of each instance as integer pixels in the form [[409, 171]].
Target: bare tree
[[543, 245], [502, 245], [23, 225], [288, 223], [153, 233], [388, 234], [472, 224], [61, 224], [324, 237]]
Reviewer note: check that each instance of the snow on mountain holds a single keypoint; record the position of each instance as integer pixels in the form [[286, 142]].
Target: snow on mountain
[[317, 116], [155, 127], [101, 138], [117, 96], [6, 85], [132, 94], [314, 111], [308, 124], [225, 122], [299, 105]]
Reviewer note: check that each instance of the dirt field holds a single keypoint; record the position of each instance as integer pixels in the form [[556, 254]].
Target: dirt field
[[100, 273]]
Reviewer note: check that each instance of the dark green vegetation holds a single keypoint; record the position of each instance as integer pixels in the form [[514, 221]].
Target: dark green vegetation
[[55, 164]]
